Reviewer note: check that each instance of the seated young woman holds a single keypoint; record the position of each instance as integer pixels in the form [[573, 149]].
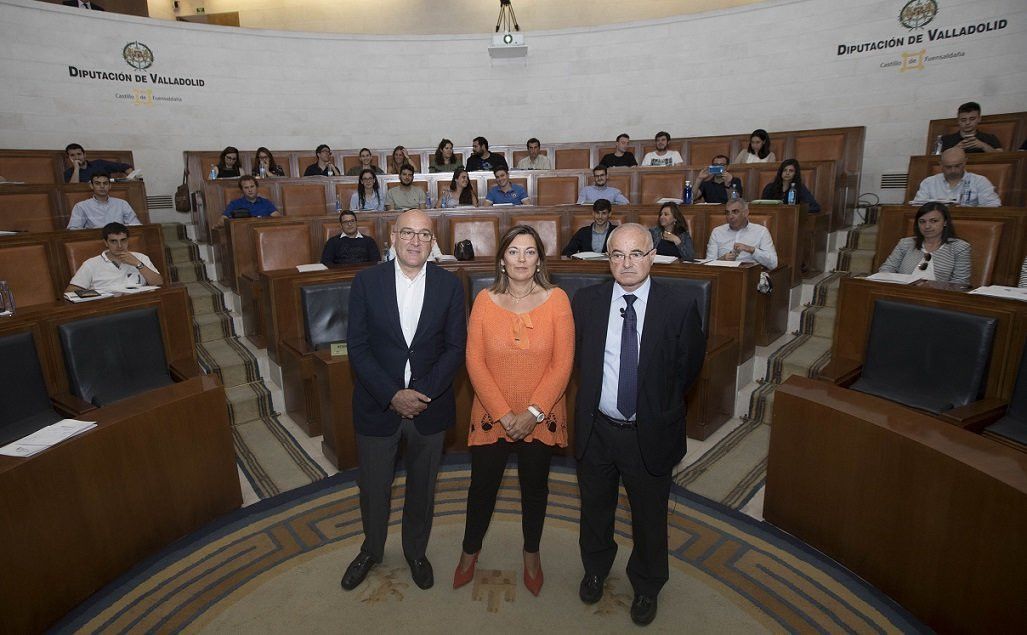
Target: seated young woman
[[670, 236], [789, 173]]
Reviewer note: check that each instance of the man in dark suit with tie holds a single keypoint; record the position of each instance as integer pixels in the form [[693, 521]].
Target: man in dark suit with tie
[[406, 336], [638, 349]]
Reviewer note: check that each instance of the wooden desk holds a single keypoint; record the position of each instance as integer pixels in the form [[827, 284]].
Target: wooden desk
[[896, 222], [932, 515], [46, 167], [78, 515]]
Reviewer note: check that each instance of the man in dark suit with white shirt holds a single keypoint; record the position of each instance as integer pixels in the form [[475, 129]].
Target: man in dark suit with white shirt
[[630, 412], [406, 336]]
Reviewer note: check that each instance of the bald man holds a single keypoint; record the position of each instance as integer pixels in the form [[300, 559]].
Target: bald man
[[955, 185], [406, 336]]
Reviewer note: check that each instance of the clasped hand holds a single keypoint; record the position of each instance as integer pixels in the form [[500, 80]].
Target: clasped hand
[[409, 403], [518, 426]]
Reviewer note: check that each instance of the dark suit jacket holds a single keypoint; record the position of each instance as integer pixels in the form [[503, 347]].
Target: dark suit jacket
[[582, 240], [378, 351], [669, 360], [74, 3]]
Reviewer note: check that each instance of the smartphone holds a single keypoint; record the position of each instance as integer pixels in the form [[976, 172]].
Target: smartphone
[[87, 293], [715, 169]]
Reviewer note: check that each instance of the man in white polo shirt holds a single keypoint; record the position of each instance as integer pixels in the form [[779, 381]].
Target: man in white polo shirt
[[117, 268]]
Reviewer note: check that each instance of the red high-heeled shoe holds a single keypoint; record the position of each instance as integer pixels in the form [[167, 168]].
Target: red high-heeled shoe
[[462, 576], [534, 584]]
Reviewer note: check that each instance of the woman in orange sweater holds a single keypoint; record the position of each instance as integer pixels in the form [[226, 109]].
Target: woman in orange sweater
[[520, 349]]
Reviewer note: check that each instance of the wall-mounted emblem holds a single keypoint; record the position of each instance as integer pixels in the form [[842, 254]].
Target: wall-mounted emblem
[[918, 13], [137, 55]]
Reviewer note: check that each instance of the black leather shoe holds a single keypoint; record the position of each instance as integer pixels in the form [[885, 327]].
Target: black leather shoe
[[591, 589], [643, 609], [421, 572], [357, 570]]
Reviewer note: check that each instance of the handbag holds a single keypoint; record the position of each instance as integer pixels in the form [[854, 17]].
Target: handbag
[[182, 202], [464, 250]]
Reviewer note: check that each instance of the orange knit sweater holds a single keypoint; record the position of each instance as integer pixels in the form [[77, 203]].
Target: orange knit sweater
[[515, 360]]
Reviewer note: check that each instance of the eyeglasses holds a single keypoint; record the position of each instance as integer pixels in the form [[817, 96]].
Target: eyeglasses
[[923, 265], [633, 256], [408, 234]]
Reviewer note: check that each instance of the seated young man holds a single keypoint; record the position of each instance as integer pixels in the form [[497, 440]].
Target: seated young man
[[505, 191], [101, 208], [250, 203], [116, 268], [350, 247]]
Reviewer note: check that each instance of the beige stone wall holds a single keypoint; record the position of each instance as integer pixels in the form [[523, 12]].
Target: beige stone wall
[[425, 17]]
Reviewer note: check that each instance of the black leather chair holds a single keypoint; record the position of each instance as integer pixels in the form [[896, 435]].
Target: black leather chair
[[925, 357], [24, 401], [325, 313], [699, 290], [1013, 426], [114, 356], [571, 282], [325, 310]]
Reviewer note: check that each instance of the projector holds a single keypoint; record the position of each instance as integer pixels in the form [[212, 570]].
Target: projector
[[508, 44]]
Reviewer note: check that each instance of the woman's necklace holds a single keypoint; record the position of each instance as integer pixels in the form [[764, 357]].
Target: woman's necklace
[[518, 298]]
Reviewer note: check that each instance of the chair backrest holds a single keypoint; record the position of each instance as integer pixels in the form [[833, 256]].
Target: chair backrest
[[24, 401], [28, 211], [26, 268], [325, 312], [548, 228], [1018, 402], [483, 232], [926, 357], [572, 159], [304, 199], [281, 246], [114, 356], [478, 280], [699, 290], [655, 185], [556, 190], [572, 282]]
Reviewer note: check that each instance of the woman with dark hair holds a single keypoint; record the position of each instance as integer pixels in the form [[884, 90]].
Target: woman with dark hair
[[368, 197], [520, 348], [788, 175], [398, 159], [228, 164], [933, 252], [460, 193], [267, 160], [670, 236], [758, 150], [444, 160]]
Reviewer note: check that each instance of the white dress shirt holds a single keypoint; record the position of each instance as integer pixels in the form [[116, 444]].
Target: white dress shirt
[[611, 354], [723, 239], [102, 274], [973, 190], [410, 300]]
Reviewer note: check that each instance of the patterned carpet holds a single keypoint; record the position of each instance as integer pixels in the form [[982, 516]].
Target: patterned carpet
[[268, 455], [735, 469], [275, 567]]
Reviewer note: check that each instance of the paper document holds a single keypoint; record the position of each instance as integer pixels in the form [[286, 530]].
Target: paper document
[[589, 255], [46, 437], [445, 258], [1015, 293], [664, 260], [661, 201], [317, 266], [895, 278], [724, 263], [131, 290]]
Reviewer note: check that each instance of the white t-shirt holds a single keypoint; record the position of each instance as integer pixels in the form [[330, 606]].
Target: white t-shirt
[[671, 157], [100, 273]]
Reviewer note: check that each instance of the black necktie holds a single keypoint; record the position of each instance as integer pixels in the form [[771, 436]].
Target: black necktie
[[627, 382]]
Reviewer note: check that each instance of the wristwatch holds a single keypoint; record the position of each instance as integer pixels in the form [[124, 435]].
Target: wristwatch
[[539, 416], [140, 265]]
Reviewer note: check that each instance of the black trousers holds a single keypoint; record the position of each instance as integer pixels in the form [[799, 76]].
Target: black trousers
[[375, 474], [487, 465], [613, 454]]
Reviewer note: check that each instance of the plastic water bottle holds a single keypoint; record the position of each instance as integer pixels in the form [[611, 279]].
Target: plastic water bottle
[[6, 299], [687, 196], [338, 206], [427, 199], [263, 171], [967, 194], [793, 196], [331, 172], [213, 172], [937, 145], [734, 192]]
